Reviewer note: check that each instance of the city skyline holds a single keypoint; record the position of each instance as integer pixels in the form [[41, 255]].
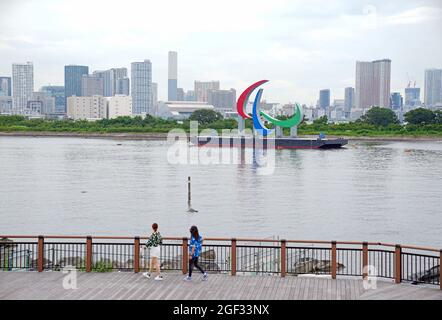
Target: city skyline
[[303, 50]]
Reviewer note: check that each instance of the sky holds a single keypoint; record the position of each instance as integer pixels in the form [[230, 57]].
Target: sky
[[301, 46]]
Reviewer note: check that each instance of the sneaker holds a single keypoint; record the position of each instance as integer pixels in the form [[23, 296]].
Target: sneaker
[[158, 278], [187, 278], [146, 275], [205, 276]]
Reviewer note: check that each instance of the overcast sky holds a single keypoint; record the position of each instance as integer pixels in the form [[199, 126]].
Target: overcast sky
[[301, 46]]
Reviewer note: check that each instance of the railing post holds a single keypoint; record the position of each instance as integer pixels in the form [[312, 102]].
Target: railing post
[[233, 256], [185, 255], [137, 254], [440, 269], [283, 258], [333, 260], [88, 254], [41, 253], [364, 260], [397, 264]]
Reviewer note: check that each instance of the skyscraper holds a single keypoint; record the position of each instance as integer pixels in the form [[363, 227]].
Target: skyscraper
[[23, 85], [92, 85], [72, 80], [122, 86], [412, 97], [396, 100], [349, 98], [107, 78], [141, 87], [58, 93], [324, 98], [5, 87], [172, 76], [373, 83], [201, 89], [433, 87]]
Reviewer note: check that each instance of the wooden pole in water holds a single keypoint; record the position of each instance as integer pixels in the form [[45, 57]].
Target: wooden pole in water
[[189, 196]]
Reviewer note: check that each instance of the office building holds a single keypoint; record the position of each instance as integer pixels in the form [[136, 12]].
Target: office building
[[155, 97], [6, 105], [172, 81], [349, 98], [189, 95], [119, 106], [180, 94], [141, 87], [42, 101], [222, 99], [373, 83], [73, 76], [412, 97], [122, 86], [92, 85], [106, 77], [58, 93], [324, 98], [433, 87], [202, 88], [23, 85], [5, 87], [396, 101], [87, 108]]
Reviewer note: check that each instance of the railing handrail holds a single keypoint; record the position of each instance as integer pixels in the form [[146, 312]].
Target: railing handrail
[[423, 248]]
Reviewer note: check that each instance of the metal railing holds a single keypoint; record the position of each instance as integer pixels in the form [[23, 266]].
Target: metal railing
[[403, 263]]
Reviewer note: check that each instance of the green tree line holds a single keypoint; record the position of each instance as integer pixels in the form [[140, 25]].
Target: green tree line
[[376, 122]]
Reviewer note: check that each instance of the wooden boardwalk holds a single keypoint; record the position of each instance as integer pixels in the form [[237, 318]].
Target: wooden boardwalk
[[128, 285]]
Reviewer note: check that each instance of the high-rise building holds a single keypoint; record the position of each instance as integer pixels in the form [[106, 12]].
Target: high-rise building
[[324, 98], [73, 75], [6, 105], [180, 94], [122, 86], [433, 87], [189, 95], [23, 85], [349, 98], [87, 108], [141, 87], [5, 87], [106, 77], [412, 97], [172, 76], [58, 93], [396, 101], [222, 99], [48, 102], [111, 81], [92, 85], [155, 98], [119, 105], [201, 89], [373, 83]]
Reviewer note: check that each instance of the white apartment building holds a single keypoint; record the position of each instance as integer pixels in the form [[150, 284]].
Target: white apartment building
[[119, 105], [87, 108], [22, 85]]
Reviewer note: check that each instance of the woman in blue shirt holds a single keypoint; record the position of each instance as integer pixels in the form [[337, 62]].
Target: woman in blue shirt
[[196, 243]]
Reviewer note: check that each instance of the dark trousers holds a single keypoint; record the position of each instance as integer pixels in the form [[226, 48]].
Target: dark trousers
[[194, 262]]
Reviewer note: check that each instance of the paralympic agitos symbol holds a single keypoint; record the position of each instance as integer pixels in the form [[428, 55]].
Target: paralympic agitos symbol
[[257, 124]]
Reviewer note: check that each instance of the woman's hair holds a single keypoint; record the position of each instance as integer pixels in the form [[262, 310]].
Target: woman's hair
[[155, 227], [194, 232]]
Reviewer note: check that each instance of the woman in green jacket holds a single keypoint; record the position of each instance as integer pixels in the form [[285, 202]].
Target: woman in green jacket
[[154, 243]]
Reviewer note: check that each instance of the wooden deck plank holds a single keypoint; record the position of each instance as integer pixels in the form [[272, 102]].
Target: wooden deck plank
[[128, 285]]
